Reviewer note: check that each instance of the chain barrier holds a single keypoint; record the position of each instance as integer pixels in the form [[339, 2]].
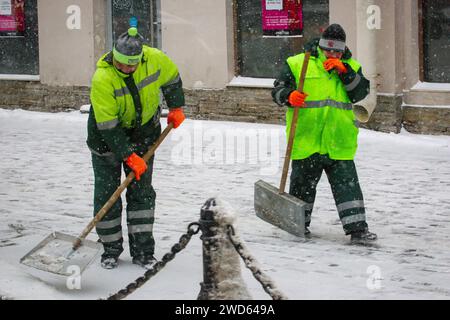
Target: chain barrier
[[176, 248], [192, 229], [249, 261]]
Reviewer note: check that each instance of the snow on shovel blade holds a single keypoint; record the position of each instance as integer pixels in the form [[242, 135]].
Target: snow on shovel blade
[[54, 254], [282, 210]]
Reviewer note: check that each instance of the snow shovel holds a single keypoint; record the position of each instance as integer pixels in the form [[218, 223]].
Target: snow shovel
[[272, 204], [65, 254]]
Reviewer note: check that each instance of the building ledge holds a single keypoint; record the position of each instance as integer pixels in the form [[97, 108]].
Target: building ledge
[[22, 77], [409, 105], [251, 82], [431, 87]]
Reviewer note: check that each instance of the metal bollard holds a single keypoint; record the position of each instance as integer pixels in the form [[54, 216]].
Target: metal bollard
[[208, 227]]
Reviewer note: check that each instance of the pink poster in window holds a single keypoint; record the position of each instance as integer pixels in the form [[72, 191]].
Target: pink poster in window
[[282, 18], [12, 18]]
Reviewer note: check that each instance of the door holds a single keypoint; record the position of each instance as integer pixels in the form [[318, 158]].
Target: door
[[147, 13]]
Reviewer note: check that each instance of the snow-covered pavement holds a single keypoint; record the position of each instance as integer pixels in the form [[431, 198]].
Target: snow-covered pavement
[[47, 185]]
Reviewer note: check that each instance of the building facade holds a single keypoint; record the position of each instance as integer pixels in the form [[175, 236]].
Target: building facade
[[226, 62]]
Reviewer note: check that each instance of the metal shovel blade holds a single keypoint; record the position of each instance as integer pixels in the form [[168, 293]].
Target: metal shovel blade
[[282, 210], [55, 254]]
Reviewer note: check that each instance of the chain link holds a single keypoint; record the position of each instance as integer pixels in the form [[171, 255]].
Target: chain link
[[194, 228], [177, 247], [266, 283]]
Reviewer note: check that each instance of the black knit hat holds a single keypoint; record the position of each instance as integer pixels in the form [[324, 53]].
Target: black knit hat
[[333, 38], [128, 47]]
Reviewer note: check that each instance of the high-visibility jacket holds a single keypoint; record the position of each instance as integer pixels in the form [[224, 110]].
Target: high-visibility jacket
[[120, 111], [327, 124]]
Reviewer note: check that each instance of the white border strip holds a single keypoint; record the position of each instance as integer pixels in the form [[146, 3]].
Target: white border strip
[[431, 86], [425, 106], [251, 82], [27, 77]]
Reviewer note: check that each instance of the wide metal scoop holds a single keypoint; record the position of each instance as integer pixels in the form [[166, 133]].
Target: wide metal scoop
[[272, 204], [60, 253], [55, 254]]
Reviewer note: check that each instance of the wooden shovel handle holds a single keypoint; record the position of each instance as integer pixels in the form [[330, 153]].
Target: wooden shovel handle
[[102, 212], [287, 158]]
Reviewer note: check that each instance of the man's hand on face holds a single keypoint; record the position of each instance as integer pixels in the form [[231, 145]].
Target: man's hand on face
[[334, 63]]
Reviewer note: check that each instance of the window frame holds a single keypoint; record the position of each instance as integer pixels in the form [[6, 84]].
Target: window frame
[[154, 24], [35, 56], [296, 43], [421, 42]]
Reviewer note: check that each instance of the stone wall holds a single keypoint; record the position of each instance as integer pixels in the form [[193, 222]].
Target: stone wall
[[426, 120], [230, 104], [234, 104], [387, 116], [32, 95]]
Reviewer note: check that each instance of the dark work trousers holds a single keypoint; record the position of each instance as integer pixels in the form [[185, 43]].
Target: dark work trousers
[[344, 183], [140, 197]]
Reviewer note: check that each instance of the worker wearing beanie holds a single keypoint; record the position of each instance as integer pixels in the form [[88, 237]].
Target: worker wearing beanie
[[124, 121], [326, 133]]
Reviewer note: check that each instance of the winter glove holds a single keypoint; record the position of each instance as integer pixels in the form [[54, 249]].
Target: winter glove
[[334, 63], [137, 164], [297, 99], [176, 116]]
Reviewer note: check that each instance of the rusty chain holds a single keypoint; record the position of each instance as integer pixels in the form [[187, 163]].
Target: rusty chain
[[177, 247], [266, 283]]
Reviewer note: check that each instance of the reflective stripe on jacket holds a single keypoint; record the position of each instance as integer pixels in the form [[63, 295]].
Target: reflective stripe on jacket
[[327, 124]]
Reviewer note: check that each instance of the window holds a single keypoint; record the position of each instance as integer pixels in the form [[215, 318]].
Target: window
[[436, 40], [147, 14], [19, 52], [260, 57]]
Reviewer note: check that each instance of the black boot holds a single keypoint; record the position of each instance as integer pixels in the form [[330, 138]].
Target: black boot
[[145, 261], [307, 232], [110, 256], [108, 262], [363, 237]]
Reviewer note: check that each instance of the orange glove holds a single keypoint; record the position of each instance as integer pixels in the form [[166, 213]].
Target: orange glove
[[334, 63], [297, 99], [176, 116], [137, 164]]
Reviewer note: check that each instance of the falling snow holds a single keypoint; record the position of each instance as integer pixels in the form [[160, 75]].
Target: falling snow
[[47, 185]]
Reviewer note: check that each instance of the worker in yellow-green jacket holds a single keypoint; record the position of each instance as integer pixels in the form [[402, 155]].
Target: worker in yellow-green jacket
[[124, 120], [326, 133]]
